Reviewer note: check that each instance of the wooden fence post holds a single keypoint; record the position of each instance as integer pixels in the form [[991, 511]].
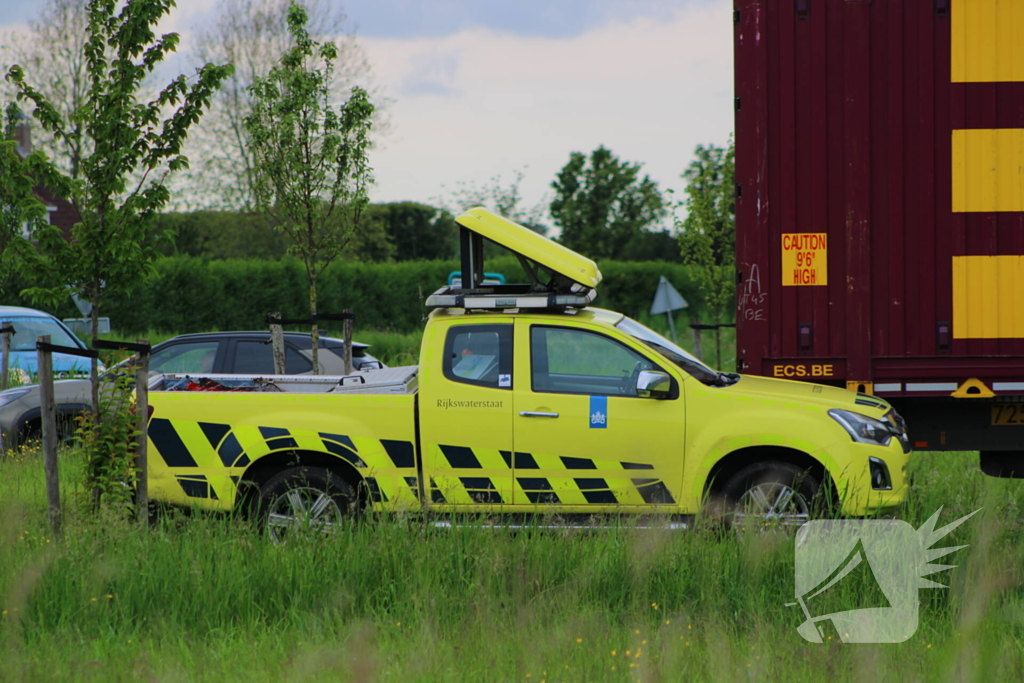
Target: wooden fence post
[[142, 440], [49, 418], [277, 342], [5, 372], [349, 323]]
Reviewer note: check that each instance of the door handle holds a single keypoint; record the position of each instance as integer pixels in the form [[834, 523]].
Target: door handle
[[533, 413]]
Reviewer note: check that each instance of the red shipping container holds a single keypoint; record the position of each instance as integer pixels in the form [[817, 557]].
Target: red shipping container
[[880, 206]]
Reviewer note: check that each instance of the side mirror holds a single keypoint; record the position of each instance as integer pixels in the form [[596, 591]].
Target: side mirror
[[653, 384]]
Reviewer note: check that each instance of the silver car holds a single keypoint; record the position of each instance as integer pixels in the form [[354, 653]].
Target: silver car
[[246, 353]]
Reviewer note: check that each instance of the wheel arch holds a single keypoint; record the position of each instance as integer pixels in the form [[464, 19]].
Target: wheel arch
[[733, 462], [262, 469]]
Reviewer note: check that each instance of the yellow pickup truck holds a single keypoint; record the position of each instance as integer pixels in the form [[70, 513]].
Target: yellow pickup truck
[[526, 400]]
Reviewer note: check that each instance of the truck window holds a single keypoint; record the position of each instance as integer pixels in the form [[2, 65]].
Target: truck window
[[572, 361], [480, 355]]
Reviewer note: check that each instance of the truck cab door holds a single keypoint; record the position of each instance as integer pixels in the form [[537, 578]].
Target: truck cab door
[[584, 440], [465, 413]]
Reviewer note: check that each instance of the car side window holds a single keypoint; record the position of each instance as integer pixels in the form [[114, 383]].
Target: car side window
[[254, 357], [295, 363], [567, 360], [480, 355], [185, 357]]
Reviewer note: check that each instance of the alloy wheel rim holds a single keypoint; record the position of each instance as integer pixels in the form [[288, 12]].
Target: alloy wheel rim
[[771, 505], [303, 510]]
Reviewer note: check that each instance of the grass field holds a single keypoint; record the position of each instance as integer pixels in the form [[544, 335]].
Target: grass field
[[199, 598]]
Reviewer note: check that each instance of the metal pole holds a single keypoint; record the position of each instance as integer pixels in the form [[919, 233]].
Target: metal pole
[[49, 418], [348, 325], [672, 325], [277, 342], [142, 440]]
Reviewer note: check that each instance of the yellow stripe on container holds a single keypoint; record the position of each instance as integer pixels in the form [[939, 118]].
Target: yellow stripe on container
[[988, 169], [987, 296], [987, 41]]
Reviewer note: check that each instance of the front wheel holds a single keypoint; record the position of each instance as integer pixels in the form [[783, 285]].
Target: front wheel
[[303, 501], [771, 495]]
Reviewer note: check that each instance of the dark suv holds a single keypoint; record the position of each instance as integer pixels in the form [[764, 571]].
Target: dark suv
[[242, 353]]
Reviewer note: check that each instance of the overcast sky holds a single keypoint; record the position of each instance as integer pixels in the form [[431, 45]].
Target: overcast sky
[[485, 88]]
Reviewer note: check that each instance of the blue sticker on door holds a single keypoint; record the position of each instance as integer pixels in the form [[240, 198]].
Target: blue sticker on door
[[598, 412]]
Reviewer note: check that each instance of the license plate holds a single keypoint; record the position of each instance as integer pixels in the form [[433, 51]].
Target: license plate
[[1008, 414]]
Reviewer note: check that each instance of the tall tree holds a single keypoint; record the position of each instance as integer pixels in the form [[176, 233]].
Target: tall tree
[[603, 206], [707, 234], [21, 212], [252, 34], [310, 158], [53, 51], [129, 146]]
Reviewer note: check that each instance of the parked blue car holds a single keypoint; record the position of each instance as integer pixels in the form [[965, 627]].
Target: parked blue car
[[28, 324]]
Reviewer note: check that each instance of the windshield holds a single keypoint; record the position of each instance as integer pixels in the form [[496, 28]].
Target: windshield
[[672, 351], [27, 329]]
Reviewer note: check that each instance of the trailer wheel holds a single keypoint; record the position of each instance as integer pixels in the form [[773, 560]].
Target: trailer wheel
[[771, 495], [303, 501]]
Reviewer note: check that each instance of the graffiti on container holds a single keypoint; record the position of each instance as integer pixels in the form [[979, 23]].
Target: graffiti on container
[[752, 299]]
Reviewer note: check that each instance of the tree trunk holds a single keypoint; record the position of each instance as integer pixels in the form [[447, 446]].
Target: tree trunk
[[697, 350], [94, 322], [718, 347], [316, 328], [94, 383]]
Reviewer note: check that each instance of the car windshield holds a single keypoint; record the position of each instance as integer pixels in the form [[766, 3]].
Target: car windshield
[[27, 329], [675, 353]]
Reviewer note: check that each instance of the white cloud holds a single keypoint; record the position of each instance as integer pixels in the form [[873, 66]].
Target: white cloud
[[648, 90]]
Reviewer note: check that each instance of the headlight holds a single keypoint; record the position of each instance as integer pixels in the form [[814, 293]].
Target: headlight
[[861, 428], [12, 395]]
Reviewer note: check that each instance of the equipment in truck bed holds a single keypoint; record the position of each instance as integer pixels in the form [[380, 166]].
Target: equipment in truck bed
[[400, 380]]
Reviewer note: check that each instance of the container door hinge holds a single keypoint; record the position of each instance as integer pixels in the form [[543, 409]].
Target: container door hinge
[[739, 191], [735, 16], [942, 9], [739, 104], [803, 8]]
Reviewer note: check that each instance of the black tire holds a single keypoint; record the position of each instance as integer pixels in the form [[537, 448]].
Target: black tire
[[303, 501], [33, 432], [772, 495]]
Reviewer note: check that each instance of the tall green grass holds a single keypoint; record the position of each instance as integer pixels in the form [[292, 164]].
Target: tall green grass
[[197, 598]]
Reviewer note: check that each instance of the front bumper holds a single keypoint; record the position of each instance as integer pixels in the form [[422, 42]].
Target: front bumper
[[852, 476]]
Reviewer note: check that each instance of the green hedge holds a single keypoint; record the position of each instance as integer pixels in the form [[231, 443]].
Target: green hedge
[[186, 294]]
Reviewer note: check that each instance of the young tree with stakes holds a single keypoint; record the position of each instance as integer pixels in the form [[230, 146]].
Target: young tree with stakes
[[310, 159], [131, 144]]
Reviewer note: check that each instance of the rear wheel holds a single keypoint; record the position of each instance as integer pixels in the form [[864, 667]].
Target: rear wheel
[[303, 501], [772, 495]]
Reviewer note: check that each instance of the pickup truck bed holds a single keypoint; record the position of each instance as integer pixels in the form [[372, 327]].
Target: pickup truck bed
[[274, 420]]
